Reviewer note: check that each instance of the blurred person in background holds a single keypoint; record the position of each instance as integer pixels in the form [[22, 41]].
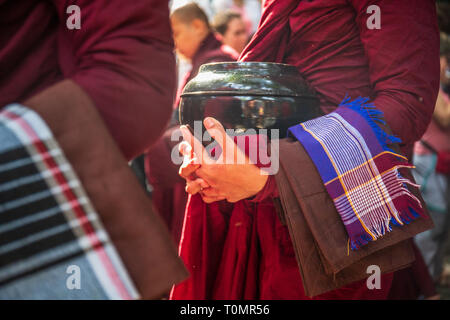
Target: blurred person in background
[[230, 28], [195, 42], [250, 11], [205, 5], [432, 172]]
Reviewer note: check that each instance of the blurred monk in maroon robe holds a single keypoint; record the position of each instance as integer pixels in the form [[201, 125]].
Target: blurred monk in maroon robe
[[129, 72], [195, 41], [116, 59], [233, 242]]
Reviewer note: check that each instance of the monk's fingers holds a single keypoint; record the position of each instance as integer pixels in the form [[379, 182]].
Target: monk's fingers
[[209, 173], [195, 186], [217, 131], [232, 199], [199, 150], [203, 184], [188, 167], [212, 193], [185, 149], [192, 187], [211, 199]]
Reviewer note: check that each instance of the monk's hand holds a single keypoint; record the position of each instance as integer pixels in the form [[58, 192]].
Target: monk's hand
[[231, 176], [194, 184]]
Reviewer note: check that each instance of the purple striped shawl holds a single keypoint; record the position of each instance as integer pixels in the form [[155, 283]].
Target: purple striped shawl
[[359, 170]]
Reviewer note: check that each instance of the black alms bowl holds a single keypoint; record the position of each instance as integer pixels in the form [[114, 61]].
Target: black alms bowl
[[248, 95]]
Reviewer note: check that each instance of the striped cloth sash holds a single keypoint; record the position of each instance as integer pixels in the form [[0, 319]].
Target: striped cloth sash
[[359, 170], [52, 242]]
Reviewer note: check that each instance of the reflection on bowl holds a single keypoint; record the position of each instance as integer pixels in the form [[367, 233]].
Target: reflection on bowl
[[248, 95]]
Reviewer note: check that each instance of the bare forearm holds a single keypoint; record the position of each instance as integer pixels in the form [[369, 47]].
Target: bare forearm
[[442, 111], [54, 102]]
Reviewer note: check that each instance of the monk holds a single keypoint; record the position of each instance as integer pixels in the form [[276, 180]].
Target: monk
[[230, 27], [234, 243], [118, 62], [195, 41], [118, 86]]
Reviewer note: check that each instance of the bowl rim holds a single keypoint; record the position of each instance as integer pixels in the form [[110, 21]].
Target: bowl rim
[[246, 94], [275, 69], [265, 64]]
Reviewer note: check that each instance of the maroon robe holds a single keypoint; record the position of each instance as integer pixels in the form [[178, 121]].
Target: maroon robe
[[242, 251], [122, 57], [169, 195], [121, 64]]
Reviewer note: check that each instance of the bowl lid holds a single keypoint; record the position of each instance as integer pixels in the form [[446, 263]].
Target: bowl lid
[[248, 78]]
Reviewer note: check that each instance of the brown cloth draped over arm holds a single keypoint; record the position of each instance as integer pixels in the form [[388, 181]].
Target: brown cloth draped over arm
[[319, 236], [382, 70]]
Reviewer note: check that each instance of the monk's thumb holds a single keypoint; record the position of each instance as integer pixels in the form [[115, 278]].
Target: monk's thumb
[[217, 132], [215, 129], [185, 148], [211, 123]]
